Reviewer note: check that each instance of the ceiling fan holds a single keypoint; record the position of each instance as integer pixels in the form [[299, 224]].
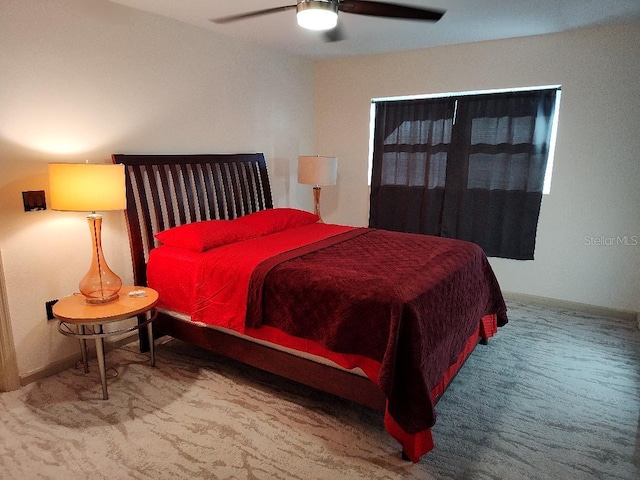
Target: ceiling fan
[[322, 15]]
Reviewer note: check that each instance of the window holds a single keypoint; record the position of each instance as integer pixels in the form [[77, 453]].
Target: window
[[471, 166]]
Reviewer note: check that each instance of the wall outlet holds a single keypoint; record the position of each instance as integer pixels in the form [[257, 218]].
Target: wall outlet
[[49, 307]]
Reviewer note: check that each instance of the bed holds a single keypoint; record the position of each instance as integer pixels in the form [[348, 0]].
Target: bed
[[384, 319]]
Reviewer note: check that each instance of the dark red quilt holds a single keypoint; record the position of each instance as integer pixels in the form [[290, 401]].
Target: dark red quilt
[[409, 302]]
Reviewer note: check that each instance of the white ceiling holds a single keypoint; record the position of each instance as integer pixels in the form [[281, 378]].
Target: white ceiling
[[464, 21]]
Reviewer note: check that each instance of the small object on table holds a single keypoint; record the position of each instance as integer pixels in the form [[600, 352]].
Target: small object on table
[[138, 293]]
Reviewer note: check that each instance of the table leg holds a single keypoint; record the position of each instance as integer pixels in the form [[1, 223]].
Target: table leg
[[101, 365], [83, 349], [152, 350]]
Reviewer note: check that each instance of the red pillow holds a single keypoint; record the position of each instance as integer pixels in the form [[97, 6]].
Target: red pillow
[[274, 220], [202, 236]]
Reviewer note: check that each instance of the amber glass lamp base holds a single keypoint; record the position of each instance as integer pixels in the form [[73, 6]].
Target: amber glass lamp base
[[100, 284]]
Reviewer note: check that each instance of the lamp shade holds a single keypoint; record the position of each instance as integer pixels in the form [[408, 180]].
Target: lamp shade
[[317, 170], [86, 187]]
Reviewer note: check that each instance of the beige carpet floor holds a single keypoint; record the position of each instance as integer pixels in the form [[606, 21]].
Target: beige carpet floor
[[556, 395]]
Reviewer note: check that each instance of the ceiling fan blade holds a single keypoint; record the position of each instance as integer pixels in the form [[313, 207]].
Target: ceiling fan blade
[[380, 9], [257, 13], [336, 34]]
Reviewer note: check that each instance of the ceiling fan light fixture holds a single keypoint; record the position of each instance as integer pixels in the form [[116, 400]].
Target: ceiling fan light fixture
[[317, 14]]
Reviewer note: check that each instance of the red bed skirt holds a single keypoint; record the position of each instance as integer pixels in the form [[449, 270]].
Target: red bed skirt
[[414, 445], [417, 444]]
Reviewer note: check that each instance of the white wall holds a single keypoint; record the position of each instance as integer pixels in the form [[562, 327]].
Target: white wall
[[597, 167], [82, 79]]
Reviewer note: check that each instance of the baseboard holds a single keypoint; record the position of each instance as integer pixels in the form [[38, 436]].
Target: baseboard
[[72, 361], [575, 306]]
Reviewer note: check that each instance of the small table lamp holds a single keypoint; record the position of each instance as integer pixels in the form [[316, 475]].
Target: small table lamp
[[84, 187], [317, 171]]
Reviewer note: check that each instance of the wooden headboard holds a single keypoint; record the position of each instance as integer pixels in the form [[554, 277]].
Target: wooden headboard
[[164, 191]]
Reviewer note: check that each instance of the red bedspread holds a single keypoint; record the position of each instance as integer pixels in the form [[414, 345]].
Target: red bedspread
[[409, 302], [401, 306]]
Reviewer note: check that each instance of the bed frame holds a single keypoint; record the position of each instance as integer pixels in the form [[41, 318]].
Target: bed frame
[[164, 191]]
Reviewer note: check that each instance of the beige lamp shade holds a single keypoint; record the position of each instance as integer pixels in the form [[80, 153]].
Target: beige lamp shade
[[317, 170], [87, 187]]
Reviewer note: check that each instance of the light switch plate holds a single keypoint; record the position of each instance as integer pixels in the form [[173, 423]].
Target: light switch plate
[[34, 200]]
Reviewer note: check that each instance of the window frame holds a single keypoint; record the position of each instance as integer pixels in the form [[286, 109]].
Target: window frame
[[554, 129]]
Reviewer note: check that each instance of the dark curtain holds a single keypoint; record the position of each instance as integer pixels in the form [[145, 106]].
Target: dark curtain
[[409, 164], [484, 177]]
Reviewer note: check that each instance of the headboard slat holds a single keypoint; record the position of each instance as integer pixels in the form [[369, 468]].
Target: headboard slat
[[143, 179], [217, 200], [228, 197], [171, 189], [234, 186], [165, 191], [244, 182], [200, 192]]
